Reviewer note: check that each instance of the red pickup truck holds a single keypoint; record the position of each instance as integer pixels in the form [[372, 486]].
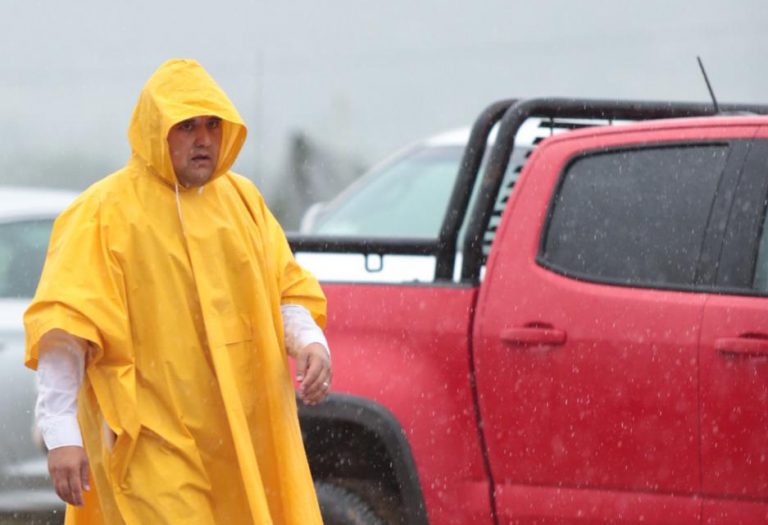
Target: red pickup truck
[[603, 356]]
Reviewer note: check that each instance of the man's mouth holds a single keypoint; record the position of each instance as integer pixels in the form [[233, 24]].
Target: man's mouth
[[201, 157]]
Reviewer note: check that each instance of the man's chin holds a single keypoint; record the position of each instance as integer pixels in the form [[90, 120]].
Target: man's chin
[[194, 178]]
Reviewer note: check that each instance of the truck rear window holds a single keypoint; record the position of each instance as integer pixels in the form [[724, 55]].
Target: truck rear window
[[634, 217]]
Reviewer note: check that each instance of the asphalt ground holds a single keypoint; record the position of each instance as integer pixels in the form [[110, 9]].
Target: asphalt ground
[[56, 518]]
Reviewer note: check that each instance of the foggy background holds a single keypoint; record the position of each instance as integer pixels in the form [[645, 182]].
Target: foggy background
[[330, 87]]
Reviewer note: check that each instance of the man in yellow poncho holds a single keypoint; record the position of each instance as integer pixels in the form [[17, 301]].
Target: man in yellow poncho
[[167, 304]]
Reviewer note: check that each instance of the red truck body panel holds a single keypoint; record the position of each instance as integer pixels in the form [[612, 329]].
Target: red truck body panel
[[734, 409], [406, 347]]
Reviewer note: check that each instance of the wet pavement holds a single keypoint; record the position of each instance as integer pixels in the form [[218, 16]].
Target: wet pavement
[[56, 518]]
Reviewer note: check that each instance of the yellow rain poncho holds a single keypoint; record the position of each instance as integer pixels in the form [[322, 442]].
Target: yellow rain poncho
[[179, 296]]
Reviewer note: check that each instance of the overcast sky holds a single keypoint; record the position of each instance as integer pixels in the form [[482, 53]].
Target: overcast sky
[[361, 77]]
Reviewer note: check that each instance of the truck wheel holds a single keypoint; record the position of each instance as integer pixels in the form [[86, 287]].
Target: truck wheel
[[342, 507]]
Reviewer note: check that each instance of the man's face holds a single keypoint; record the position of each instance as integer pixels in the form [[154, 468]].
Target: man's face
[[194, 145]]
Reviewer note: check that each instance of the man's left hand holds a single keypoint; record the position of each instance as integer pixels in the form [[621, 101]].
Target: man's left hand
[[313, 372]]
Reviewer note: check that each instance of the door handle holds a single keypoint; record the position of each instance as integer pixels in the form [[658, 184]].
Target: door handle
[[745, 346], [532, 336]]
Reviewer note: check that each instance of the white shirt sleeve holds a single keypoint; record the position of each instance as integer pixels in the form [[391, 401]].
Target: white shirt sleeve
[[60, 374]]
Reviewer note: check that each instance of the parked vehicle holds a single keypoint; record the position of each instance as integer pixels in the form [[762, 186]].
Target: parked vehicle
[[404, 196], [26, 218], [603, 355]]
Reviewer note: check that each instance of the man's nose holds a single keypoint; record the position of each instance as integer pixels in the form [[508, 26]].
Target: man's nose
[[203, 136]]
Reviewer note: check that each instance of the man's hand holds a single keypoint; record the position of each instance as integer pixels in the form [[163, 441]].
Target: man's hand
[[68, 467], [313, 372]]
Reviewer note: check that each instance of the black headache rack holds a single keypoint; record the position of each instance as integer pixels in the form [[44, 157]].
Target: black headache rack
[[510, 116]]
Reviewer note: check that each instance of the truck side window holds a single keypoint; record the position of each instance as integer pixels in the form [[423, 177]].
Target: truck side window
[[634, 217]]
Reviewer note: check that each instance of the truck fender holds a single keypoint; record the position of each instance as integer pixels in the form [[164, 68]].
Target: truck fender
[[358, 444]]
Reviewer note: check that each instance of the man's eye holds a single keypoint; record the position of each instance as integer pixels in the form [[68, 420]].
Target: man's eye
[[185, 126], [214, 123]]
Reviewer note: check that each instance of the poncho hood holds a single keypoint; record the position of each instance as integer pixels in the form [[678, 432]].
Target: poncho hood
[[181, 89]]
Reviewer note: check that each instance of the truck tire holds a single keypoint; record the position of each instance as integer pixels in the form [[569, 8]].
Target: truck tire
[[339, 506]]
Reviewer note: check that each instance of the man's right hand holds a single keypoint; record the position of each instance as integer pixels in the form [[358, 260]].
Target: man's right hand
[[68, 467]]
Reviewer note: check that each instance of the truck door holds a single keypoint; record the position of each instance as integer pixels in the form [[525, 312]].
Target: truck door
[[734, 360], [586, 336]]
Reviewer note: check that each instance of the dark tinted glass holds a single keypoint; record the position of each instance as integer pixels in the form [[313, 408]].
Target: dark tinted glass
[[635, 217], [23, 247]]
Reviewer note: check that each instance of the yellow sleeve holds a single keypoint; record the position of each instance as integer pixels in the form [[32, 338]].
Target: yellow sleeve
[[81, 287], [297, 285]]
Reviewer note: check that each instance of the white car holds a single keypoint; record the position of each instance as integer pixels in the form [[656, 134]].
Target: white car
[[405, 196], [26, 217]]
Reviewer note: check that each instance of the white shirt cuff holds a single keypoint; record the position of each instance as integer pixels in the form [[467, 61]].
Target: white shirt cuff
[[300, 329], [61, 431]]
